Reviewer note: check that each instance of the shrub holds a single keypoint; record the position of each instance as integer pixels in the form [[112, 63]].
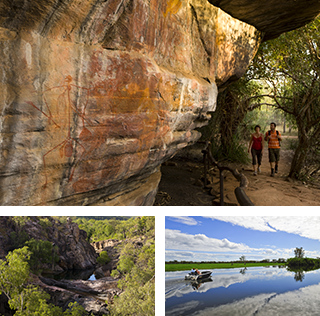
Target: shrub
[[103, 258]]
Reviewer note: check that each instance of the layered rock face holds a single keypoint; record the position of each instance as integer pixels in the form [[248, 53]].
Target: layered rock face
[[95, 95], [73, 250]]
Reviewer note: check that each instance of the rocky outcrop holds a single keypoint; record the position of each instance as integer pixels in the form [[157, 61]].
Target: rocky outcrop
[[92, 295], [95, 95], [73, 250], [271, 17], [111, 246]]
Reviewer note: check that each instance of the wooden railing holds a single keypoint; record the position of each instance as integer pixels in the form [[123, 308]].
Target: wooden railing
[[240, 193]]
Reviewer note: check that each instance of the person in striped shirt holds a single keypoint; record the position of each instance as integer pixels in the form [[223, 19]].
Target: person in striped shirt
[[273, 138]]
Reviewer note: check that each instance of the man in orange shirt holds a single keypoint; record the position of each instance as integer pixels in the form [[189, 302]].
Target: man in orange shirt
[[273, 138]]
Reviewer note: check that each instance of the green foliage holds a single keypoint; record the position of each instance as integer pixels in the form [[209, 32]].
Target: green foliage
[[218, 265], [225, 129], [28, 299], [14, 272], [42, 252], [235, 152], [20, 221], [18, 239], [289, 66], [32, 301], [45, 222], [137, 265], [136, 300], [75, 310], [103, 258], [303, 263], [116, 229], [299, 252]]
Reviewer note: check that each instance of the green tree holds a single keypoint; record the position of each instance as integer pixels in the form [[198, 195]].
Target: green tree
[[290, 66], [299, 252], [32, 301], [14, 272], [24, 298], [103, 258], [225, 127], [42, 252], [138, 268]]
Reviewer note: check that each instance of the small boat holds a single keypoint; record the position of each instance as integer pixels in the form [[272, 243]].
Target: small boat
[[197, 277]]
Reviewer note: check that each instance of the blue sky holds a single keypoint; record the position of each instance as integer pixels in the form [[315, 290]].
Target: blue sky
[[225, 238]]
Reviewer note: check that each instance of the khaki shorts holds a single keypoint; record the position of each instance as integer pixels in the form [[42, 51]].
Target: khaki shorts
[[274, 154]]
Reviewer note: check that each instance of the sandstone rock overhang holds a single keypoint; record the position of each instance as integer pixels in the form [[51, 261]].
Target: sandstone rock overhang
[[95, 95], [272, 17]]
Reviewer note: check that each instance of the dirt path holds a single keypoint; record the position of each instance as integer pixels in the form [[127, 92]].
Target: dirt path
[[181, 185]]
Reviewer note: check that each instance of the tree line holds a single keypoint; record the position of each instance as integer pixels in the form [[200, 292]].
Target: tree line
[[103, 229]]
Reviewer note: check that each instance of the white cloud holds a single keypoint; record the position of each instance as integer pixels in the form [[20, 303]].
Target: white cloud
[[305, 226], [182, 241], [182, 246], [183, 220]]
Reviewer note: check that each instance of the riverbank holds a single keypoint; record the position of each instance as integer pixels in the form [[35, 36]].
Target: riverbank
[[227, 265]]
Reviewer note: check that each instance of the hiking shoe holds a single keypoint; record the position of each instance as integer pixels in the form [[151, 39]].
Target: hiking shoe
[[276, 169], [272, 172], [259, 169], [255, 173]]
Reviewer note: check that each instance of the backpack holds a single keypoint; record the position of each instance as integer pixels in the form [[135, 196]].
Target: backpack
[[269, 132]]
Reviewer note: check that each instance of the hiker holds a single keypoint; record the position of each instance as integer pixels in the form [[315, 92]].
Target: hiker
[[273, 138], [257, 143]]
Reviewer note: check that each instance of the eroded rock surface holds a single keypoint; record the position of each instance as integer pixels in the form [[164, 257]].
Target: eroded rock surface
[[95, 95], [92, 295], [73, 250]]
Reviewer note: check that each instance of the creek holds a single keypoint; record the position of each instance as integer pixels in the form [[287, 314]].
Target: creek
[[72, 275]]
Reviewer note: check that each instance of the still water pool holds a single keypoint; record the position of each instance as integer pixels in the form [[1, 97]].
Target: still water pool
[[257, 291]]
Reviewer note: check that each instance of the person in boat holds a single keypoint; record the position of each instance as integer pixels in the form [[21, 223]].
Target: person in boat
[[256, 144], [197, 271], [193, 271]]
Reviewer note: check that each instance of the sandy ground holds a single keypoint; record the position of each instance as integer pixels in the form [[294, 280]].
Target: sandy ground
[[182, 184]]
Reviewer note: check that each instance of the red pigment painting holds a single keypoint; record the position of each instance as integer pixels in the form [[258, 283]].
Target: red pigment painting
[[66, 147]]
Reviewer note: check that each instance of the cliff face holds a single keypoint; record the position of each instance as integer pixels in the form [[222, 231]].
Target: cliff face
[[73, 250], [95, 95]]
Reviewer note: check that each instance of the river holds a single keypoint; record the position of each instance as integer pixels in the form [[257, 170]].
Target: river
[[255, 291]]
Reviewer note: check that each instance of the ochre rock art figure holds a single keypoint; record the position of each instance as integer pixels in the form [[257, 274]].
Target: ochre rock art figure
[[65, 102]]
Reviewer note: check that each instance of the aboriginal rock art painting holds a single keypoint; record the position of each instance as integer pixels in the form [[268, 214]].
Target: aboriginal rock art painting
[[64, 122], [82, 119]]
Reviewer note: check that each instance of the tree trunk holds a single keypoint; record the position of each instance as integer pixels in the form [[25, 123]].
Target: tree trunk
[[299, 156]]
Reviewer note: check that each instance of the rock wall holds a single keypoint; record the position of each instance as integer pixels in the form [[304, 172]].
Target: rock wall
[[73, 250], [95, 95]]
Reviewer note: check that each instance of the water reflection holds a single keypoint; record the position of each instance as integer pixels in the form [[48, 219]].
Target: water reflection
[[250, 291], [243, 271], [299, 276], [196, 284]]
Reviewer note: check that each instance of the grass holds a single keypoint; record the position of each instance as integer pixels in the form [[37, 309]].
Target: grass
[[204, 266]]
